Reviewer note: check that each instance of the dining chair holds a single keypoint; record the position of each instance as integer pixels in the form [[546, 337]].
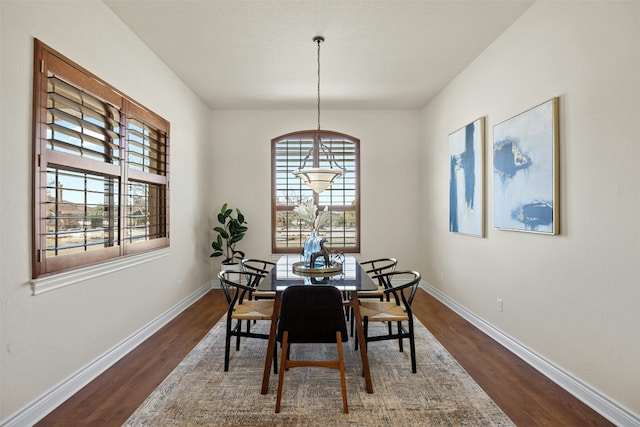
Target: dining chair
[[311, 314], [238, 287], [260, 266], [373, 268], [255, 265], [400, 289]]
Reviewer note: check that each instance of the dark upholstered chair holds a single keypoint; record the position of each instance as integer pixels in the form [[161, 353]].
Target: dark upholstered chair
[[238, 287], [312, 314]]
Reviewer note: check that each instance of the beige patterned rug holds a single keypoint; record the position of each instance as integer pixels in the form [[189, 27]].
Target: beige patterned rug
[[199, 393]]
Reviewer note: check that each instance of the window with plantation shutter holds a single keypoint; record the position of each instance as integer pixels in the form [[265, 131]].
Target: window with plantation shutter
[[101, 169], [342, 199]]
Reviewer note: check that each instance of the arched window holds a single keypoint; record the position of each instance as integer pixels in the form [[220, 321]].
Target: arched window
[[342, 199]]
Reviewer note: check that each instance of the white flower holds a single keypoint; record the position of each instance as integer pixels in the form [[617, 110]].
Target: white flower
[[309, 213], [306, 212]]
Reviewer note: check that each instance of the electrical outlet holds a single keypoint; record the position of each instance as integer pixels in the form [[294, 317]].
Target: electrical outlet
[[499, 305]]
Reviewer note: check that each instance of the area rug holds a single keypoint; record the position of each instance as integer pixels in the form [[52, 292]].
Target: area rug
[[199, 393]]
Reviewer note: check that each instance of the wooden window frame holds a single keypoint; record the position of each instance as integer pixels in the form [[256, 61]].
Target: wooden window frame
[[335, 192], [115, 168]]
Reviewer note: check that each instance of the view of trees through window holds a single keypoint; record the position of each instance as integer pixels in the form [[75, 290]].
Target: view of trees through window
[[341, 201]]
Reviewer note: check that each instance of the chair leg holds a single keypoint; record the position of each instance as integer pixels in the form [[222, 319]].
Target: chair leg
[[343, 380], [355, 334], [283, 362], [239, 328], [365, 330], [399, 336], [227, 344], [351, 326], [412, 346], [275, 359], [355, 339]]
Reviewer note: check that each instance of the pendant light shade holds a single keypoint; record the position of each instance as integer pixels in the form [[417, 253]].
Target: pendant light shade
[[319, 178]]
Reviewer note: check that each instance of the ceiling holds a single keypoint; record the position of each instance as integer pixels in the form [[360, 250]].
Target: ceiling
[[259, 54]]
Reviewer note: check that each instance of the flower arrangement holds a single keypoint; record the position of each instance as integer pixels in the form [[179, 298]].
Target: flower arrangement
[[309, 212]]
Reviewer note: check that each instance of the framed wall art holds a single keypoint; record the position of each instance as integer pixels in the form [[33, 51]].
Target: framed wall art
[[466, 179], [525, 171]]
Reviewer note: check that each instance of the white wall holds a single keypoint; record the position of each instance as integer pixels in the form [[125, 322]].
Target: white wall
[[389, 161], [47, 338], [572, 298]]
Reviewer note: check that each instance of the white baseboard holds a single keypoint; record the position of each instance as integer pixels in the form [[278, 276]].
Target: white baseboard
[[600, 403], [53, 398]]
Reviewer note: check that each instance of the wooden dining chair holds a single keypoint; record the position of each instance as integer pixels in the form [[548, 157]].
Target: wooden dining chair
[[259, 266], [255, 265], [373, 268], [400, 289], [238, 287], [311, 314]]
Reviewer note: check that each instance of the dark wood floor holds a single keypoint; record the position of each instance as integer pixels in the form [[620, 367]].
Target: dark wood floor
[[526, 396]]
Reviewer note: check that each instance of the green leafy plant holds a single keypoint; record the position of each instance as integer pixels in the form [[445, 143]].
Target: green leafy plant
[[230, 231]]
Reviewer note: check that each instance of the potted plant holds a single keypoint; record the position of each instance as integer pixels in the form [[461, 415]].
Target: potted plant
[[230, 231]]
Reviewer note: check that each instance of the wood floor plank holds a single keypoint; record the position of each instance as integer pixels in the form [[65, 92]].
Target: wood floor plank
[[525, 395]]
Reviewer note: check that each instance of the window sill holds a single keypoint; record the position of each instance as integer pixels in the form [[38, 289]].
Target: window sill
[[60, 280]]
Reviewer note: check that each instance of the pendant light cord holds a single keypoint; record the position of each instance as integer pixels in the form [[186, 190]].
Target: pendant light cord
[[330, 158], [318, 39]]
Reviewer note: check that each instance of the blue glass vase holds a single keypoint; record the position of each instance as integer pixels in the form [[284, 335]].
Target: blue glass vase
[[312, 245]]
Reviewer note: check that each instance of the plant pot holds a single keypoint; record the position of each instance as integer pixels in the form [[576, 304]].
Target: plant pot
[[236, 266]]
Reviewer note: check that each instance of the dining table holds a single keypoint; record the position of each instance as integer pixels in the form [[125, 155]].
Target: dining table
[[350, 278]]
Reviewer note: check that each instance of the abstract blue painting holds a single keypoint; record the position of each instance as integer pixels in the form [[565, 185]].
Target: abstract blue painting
[[525, 171], [466, 182]]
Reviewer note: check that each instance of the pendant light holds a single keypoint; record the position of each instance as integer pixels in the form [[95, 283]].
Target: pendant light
[[317, 178]]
